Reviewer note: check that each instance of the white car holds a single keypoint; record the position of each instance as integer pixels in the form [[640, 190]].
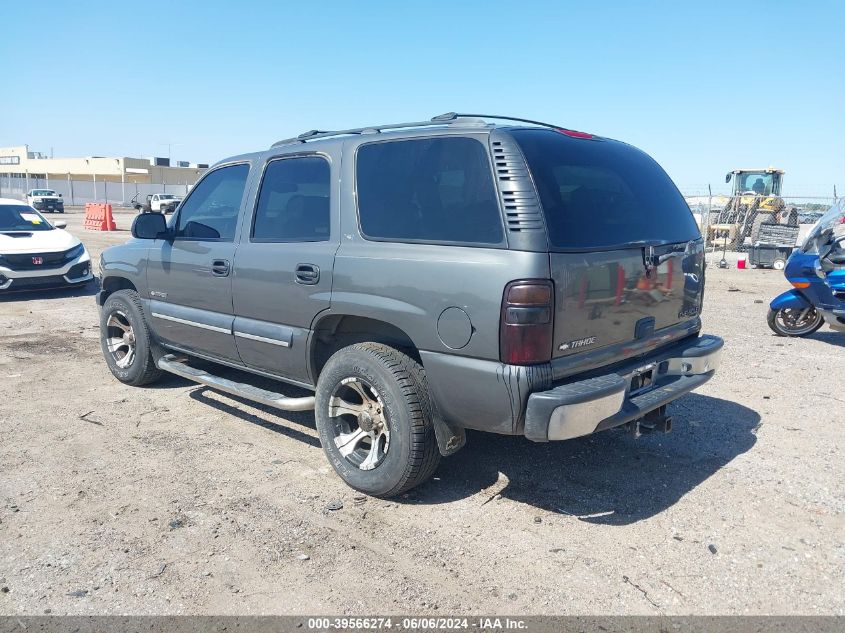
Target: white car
[[36, 254]]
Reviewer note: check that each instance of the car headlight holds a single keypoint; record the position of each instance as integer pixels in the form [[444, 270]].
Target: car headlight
[[76, 251]]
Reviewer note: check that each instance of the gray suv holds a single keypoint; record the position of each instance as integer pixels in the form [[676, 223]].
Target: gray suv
[[422, 279]]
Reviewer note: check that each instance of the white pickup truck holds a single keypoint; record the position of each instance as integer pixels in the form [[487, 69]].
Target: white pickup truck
[[45, 200], [158, 203]]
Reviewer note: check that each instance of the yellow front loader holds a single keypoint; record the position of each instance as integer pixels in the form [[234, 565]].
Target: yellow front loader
[[755, 199]]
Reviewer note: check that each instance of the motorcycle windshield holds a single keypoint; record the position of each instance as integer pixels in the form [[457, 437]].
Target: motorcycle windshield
[[831, 224]]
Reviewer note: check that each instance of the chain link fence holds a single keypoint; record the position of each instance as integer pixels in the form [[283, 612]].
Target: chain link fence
[[80, 192], [736, 223]]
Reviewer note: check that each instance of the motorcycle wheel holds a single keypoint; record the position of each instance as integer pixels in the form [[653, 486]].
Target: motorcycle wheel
[[795, 321]]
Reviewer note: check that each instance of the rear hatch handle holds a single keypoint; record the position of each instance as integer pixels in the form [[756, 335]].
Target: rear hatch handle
[[651, 260]]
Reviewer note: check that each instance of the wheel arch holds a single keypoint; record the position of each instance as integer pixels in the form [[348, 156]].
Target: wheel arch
[[111, 284], [333, 332]]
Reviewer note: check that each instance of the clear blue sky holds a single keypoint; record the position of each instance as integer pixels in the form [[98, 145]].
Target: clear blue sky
[[702, 86]]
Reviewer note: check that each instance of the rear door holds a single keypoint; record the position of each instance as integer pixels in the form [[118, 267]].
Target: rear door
[[626, 255], [283, 267], [189, 276]]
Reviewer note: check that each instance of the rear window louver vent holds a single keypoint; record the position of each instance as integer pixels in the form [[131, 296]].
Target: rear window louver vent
[[519, 200]]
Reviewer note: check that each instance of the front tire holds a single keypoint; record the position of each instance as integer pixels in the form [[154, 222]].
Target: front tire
[[374, 417], [795, 321], [125, 340]]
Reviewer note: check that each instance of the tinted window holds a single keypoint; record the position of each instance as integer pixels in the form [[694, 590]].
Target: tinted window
[[293, 204], [211, 210], [431, 190], [598, 194]]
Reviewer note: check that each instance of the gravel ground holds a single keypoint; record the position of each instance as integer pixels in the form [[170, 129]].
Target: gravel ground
[[174, 499]]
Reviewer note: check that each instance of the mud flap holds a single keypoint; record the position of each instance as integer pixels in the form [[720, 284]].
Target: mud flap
[[450, 438]]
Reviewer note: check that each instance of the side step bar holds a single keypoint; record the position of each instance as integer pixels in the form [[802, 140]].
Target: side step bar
[[173, 365]]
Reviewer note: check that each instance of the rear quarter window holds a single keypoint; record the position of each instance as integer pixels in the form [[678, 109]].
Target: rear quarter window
[[601, 194], [428, 190]]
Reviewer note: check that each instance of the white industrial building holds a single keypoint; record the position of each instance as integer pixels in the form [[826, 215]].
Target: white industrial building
[[93, 178]]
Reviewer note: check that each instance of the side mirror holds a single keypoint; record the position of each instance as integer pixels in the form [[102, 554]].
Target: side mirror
[[728, 177], [149, 226], [61, 224], [60, 195]]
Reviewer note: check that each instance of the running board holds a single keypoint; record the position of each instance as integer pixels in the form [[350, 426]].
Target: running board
[[174, 365]]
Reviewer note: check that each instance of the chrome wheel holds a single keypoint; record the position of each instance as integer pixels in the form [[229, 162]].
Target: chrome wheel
[[120, 339], [359, 422], [796, 321]]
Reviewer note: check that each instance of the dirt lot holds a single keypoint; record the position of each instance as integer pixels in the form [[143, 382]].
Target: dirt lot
[[175, 499]]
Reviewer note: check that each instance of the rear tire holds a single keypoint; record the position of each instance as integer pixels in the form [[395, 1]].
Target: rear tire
[[374, 417], [125, 340], [789, 322]]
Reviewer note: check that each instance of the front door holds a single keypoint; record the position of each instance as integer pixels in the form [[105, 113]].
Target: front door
[[189, 275], [283, 267]]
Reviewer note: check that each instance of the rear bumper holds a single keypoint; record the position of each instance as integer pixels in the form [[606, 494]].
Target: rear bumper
[[601, 402]]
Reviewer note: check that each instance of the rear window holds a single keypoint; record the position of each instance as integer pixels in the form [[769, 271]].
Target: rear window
[[293, 203], [602, 194], [428, 190]]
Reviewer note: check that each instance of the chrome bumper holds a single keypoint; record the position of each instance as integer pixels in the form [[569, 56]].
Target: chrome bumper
[[579, 408]]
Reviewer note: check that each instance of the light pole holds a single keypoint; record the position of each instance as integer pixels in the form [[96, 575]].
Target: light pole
[[169, 148]]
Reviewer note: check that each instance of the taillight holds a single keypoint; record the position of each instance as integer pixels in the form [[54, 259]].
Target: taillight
[[526, 322], [575, 133]]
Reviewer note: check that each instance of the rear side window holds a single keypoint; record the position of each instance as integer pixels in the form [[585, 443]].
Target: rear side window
[[293, 203], [602, 194], [428, 190]]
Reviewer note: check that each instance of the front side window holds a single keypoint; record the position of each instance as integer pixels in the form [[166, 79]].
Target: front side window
[[211, 211], [428, 190], [293, 202]]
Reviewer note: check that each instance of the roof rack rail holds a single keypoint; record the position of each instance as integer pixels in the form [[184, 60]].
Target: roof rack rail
[[315, 134], [452, 116], [441, 119]]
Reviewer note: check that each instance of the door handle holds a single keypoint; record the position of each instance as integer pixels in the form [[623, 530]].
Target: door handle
[[220, 267], [307, 274]]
